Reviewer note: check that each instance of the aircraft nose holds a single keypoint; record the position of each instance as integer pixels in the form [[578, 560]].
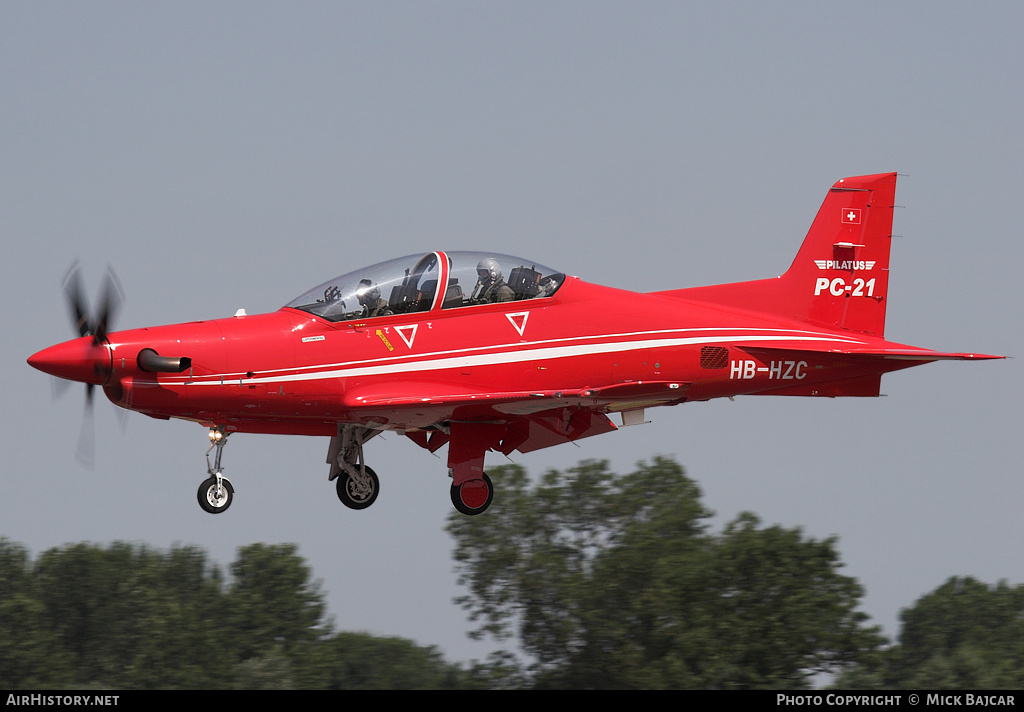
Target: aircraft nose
[[76, 360]]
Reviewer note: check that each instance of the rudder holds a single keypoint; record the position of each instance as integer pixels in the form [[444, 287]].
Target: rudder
[[840, 277]]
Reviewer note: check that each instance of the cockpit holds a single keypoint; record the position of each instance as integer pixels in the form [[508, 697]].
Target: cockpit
[[410, 284]]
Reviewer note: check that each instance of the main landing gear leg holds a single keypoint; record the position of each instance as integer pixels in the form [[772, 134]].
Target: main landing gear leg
[[357, 484], [216, 493], [472, 490]]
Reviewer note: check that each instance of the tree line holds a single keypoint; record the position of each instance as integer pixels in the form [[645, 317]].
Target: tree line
[[587, 579], [126, 617]]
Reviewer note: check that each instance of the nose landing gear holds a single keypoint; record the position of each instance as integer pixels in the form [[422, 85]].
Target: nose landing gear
[[215, 494]]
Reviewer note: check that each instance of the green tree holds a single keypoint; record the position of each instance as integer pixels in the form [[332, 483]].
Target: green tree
[[782, 610], [964, 634], [359, 661], [180, 604], [96, 624], [131, 617], [610, 581], [276, 611], [31, 655]]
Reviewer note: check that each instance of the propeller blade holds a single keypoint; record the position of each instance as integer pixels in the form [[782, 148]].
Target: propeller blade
[[78, 308], [85, 453], [122, 418], [97, 325], [59, 386], [111, 297]]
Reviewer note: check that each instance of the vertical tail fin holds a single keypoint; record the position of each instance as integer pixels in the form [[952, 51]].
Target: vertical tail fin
[[840, 277]]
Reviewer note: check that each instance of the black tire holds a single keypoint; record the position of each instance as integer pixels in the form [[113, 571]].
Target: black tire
[[473, 500], [208, 499], [355, 497]]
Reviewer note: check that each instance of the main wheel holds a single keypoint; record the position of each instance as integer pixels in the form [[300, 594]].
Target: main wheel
[[473, 496], [213, 501], [358, 493]]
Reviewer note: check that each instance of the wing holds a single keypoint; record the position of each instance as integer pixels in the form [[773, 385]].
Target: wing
[[475, 422]]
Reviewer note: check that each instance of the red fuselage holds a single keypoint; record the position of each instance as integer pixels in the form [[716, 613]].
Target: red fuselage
[[292, 372], [481, 363]]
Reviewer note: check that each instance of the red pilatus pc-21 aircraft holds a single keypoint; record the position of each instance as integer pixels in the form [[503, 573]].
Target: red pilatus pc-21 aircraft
[[483, 351]]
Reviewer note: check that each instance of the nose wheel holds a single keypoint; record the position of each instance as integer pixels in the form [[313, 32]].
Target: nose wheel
[[216, 492], [214, 496]]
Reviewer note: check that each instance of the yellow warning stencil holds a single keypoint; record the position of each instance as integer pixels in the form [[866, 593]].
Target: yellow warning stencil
[[385, 340]]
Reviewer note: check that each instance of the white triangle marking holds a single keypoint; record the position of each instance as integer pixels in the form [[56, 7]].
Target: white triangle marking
[[408, 333], [518, 320]]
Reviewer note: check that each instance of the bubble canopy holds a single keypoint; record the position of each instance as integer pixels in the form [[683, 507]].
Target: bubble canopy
[[410, 284]]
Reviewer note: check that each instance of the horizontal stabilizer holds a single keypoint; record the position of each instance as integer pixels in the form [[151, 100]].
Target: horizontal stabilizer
[[867, 361], [891, 352]]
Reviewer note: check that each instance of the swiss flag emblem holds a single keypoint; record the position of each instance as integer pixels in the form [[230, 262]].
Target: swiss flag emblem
[[851, 216]]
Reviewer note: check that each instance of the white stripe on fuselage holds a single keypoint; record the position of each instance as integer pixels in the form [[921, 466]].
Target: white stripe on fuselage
[[535, 351]]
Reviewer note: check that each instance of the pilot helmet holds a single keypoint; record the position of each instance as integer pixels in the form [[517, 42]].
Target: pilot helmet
[[367, 292], [488, 270]]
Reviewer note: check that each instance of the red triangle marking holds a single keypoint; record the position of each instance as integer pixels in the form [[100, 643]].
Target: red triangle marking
[[518, 320], [408, 333]]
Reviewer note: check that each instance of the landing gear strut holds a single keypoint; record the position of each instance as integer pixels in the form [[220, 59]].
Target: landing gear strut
[[216, 493], [357, 484]]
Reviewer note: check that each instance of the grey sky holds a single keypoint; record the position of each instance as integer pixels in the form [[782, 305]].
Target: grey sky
[[232, 155]]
